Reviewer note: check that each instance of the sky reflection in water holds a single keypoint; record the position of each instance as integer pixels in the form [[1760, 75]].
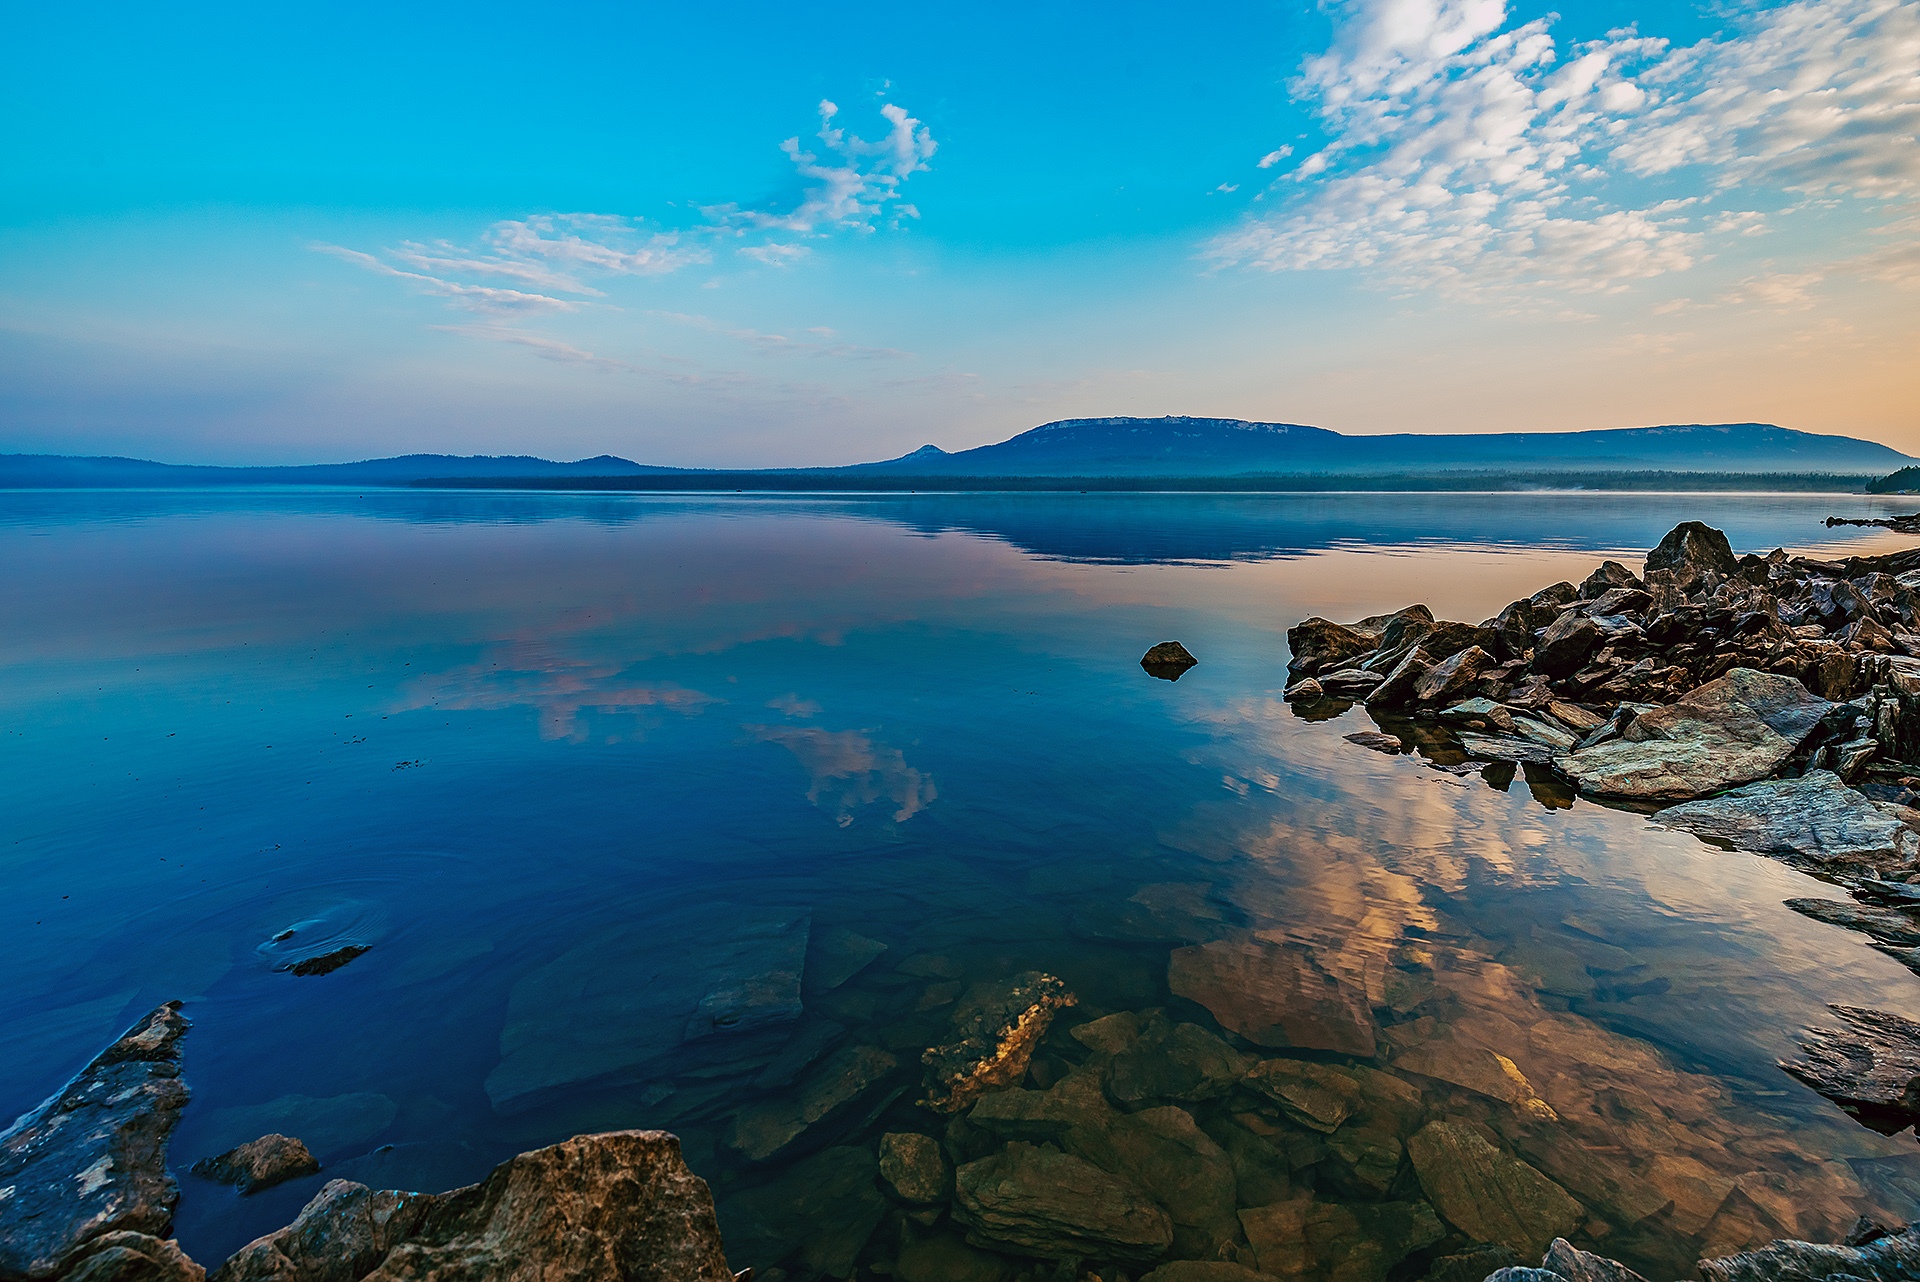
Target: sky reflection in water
[[486, 734]]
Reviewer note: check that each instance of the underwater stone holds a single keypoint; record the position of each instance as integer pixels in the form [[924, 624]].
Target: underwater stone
[[996, 1027], [1273, 996], [259, 1164], [1488, 1195], [1057, 1206]]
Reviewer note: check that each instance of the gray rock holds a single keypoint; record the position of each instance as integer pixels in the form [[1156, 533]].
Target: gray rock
[[996, 1025], [259, 1164], [92, 1159], [1319, 645], [1871, 1068], [1484, 747], [1397, 690], [1349, 682], [1570, 1262], [617, 1207], [1734, 730], [132, 1257], [1815, 818], [827, 1098], [1305, 690], [1378, 742], [1610, 577], [914, 1168], [1488, 1195], [1451, 678], [1568, 642], [1690, 550], [1888, 925], [1169, 661], [1542, 732], [1273, 996], [1057, 1206], [1890, 1259]]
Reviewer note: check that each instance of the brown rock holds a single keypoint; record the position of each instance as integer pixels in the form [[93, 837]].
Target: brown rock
[[1566, 644], [913, 1166], [1056, 1206], [1451, 678], [259, 1164], [1273, 996], [1318, 1096], [1690, 550], [1169, 661], [92, 1160], [1321, 645], [1611, 576], [617, 1207], [1488, 1195], [996, 1027], [1397, 690], [133, 1257], [1871, 1068], [1303, 1238]]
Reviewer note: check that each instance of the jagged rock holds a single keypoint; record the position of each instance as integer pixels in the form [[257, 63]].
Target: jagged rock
[[1305, 690], [1513, 630], [1182, 1062], [914, 1168], [1397, 690], [1488, 1195], [1450, 678], [92, 1159], [1318, 1096], [1273, 996], [1057, 1206], [817, 1215], [1484, 747], [826, 1098], [132, 1257], [1570, 1262], [1574, 717], [1890, 1259], [1733, 730], [1549, 601], [1815, 817], [1611, 576], [1540, 732], [1169, 661], [259, 1164], [1444, 638], [1360, 1243], [1567, 643], [1076, 1100], [1690, 550], [1871, 1068], [1350, 682], [1320, 645], [617, 1207], [1887, 925], [996, 1027], [1479, 714], [1370, 1155]]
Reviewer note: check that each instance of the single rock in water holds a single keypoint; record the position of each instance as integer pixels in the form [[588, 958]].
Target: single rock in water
[[1360, 1243], [1169, 661], [1273, 996], [92, 1159], [826, 1098], [996, 1027], [1305, 690], [1814, 817], [1057, 1206], [259, 1164], [1871, 1068], [617, 1207], [1387, 743], [914, 1168], [1733, 730], [327, 1126], [1486, 1194], [817, 1215], [328, 962], [1318, 1096]]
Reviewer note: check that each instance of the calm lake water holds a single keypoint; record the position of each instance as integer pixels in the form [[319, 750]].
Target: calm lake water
[[567, 764]]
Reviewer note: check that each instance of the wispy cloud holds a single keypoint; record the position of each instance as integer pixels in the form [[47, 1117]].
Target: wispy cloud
[[782, 342], [853, 185], [485, 299], [551, 349], [1473, 155]]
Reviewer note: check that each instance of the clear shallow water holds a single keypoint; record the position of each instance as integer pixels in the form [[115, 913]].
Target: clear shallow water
[[550, 758]]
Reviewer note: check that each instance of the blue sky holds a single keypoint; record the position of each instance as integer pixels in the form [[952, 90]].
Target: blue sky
[[234, 234]]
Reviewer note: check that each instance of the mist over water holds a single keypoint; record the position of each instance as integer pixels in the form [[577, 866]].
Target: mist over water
[[551, 759]]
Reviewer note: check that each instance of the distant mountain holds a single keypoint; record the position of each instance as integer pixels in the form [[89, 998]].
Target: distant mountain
[[1113, 449], [1174, 447], [59, 471]]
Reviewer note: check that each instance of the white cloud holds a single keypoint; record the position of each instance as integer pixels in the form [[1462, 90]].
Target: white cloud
[[551, 349], [1274, 157], [853, 185], [484, 299], [775, 254], [1780, 291], [781, 342], [1469, 154]]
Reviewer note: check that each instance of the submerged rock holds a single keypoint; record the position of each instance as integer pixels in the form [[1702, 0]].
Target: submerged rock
[[1734, 730], [1057, 1206], [1318, 1096], [1374, 739], [1871, 1068], [1161, 1152], [817, 1215], [914, 1169], [1168, 1061], [1359, 1243], [92, 1159], [996, 1027], [1814, 817], [1169, 661], [1273, 996], [259, 1164], [827, 1097], [1488, 1195], [617, 1207]]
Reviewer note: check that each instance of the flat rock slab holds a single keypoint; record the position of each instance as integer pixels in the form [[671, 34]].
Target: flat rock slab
[[1273, 996], [1057, 1206], [92, 1160], [615, 1207], [1870, 1068], [1730, 731], [1887, 925], [625, 998], [259, 1164], [1488, 1195], [1815, 818]]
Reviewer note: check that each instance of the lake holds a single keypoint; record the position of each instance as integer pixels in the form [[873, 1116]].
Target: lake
[[706, 813]]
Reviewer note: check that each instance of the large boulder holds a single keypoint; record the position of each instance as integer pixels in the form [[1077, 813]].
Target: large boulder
[[617, 1207], [1690, 550], [92, 1160], [1566, 644], [1814, 818], [1057, 1206], [1488, 1195], [1871, 1068], [1733, 730], [1273, 996], [1321, 645]]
